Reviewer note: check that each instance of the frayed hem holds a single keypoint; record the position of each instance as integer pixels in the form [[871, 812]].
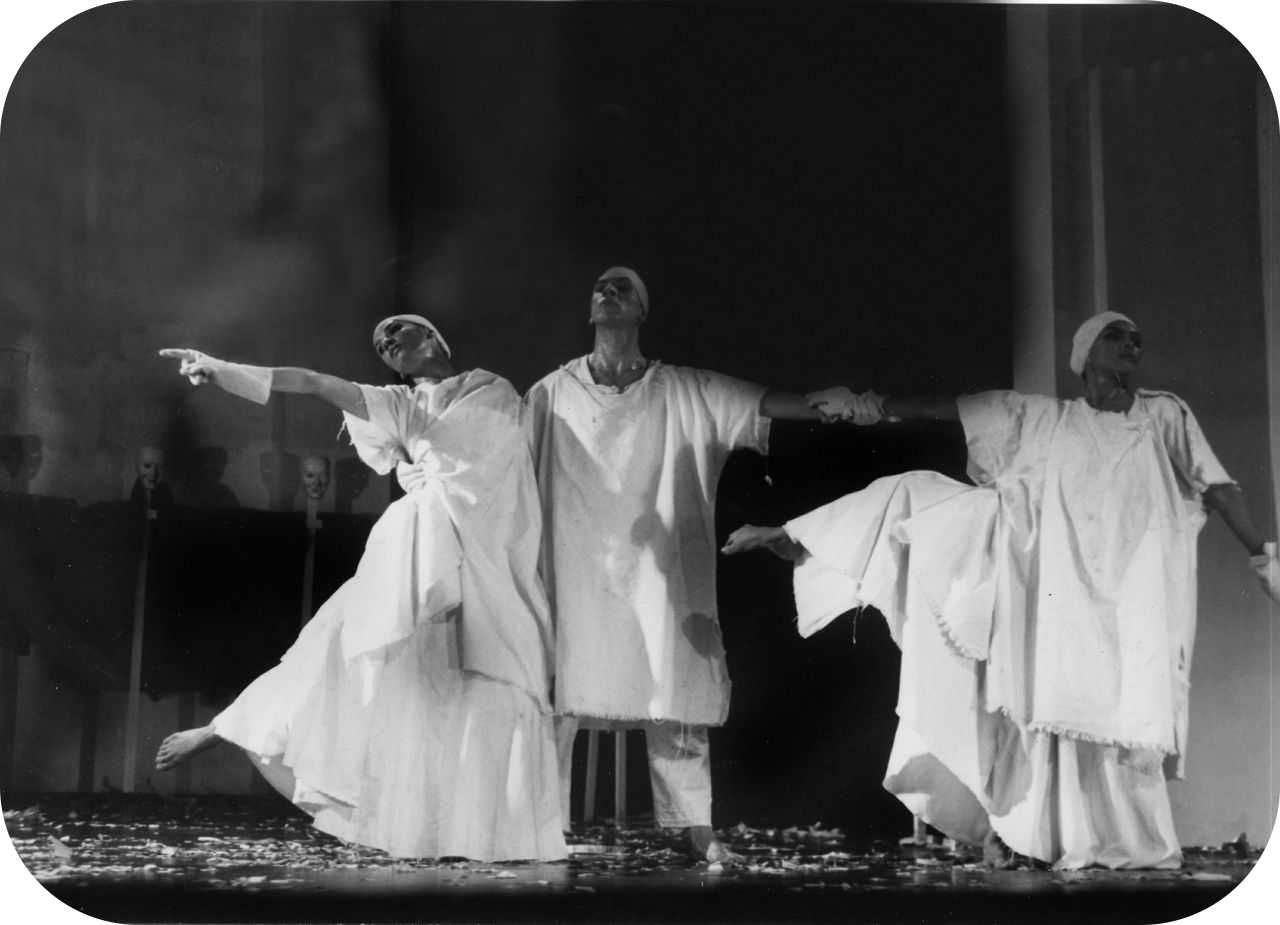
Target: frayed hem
[[948, 635], [1093, 739]]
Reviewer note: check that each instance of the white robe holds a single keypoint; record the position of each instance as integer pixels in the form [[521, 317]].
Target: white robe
[[412, 714], [1046, 620], [628, 482]]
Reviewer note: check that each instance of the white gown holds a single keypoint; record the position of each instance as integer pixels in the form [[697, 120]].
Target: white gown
[[628, 483], [1046, 620], [412, 712]]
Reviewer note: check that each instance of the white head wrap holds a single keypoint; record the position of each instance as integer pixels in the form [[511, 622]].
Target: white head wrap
[[636, 281], [1088, 332], [414, 319]]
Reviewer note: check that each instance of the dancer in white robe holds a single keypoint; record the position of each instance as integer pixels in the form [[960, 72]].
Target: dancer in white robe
[[412, 714], [628, 453], [1046, 617]]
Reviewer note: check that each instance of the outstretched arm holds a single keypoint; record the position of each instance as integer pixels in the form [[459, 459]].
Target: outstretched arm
[[248, 381], [870, 408], [920, 408], [1228, 500], [788, 406]]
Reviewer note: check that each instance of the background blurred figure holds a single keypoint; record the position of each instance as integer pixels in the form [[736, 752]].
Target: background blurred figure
[[281, 474], [315, 479], [21, 457], [205, 489], [150, 489], [351, 478]]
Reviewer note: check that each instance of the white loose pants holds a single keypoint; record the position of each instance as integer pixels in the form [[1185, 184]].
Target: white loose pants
[[679, 769]]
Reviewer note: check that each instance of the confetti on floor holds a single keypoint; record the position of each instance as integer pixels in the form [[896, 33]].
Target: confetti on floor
[[75, 845]]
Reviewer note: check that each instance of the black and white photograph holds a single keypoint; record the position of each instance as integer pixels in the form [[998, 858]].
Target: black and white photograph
[[639, 461]]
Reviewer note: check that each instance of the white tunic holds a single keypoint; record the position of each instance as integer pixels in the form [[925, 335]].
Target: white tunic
[[628, 481], [412, 714], [1046, 620]]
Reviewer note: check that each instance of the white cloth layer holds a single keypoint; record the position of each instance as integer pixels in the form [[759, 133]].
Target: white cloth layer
[[1046, 621], [410, 755], [628, 482], [412, 713], [679, 769]]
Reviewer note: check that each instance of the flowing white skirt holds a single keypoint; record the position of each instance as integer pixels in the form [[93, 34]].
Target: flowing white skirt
[[915, 547], [399, 749]]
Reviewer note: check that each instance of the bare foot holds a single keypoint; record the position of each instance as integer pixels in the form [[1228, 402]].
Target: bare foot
[[180, 746], [705, 845], [996, 855]]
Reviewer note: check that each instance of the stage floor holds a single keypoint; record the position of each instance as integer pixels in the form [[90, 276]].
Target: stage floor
[[222, 859]]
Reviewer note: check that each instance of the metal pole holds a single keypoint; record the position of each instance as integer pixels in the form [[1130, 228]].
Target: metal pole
[[133, 720], [620, 776], [309, 565], [593, 768]]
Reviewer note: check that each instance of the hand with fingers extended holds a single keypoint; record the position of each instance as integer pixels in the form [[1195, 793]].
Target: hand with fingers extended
[[1267, 567], [196, 366], [774, 539], [251, 382], [842, 404]]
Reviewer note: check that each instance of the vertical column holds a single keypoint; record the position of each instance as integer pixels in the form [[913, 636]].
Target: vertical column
[[1097, 193], [309, 563], [133, 717], [620, 777], [589, 783], [1269, 229], [1027, 88]]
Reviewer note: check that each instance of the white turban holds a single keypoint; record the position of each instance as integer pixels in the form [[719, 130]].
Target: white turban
[[414, 319], [1088, 332], [636, 281]]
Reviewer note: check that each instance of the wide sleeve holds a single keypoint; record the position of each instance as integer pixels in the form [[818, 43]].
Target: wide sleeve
[[535, 409], [999, 426], [1188, 449], [734, 408], [380, 441]]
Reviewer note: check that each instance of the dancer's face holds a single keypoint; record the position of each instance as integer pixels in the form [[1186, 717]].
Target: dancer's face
[[615, 301], [407, 347], [1118, 349]]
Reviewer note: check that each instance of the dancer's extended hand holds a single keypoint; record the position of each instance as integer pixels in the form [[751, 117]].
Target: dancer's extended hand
[[774, 539], [251, 382], [1267, 568], [196, 366], [747, 538], [842, 404]]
